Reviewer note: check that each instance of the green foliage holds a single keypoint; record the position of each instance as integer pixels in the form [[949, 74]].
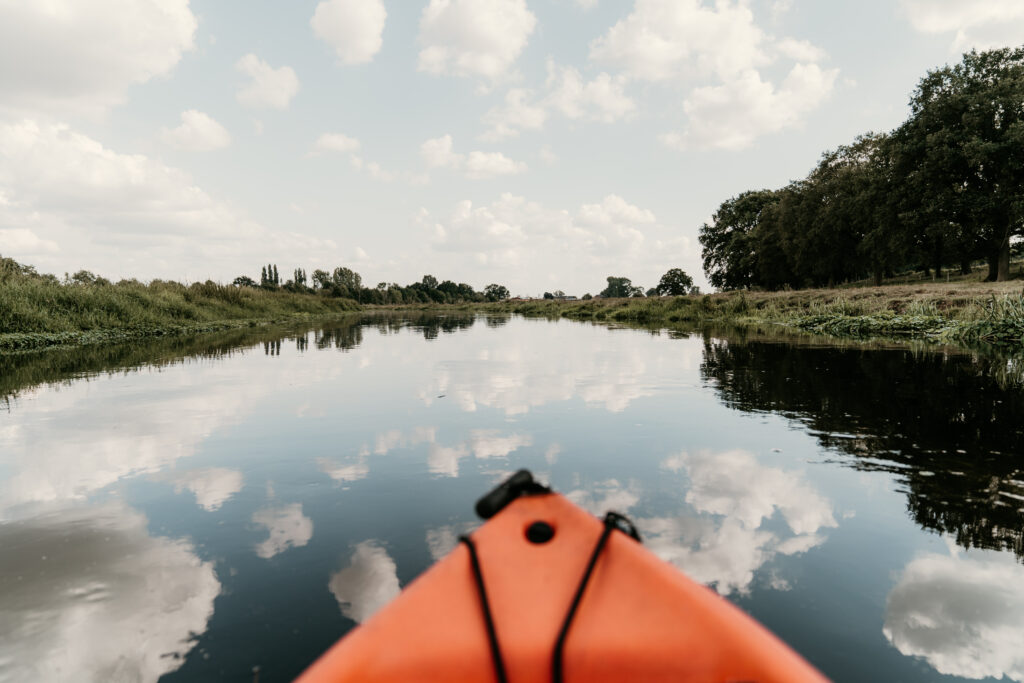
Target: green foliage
[[39, 310], [673, 283], [496, 292], [620, 287], [943, 189]]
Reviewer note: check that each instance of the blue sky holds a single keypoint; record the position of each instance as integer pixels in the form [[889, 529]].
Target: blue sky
[[543, 144]]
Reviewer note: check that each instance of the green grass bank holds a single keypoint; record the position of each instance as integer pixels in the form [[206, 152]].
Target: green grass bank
[[963, 312], [39, 312]]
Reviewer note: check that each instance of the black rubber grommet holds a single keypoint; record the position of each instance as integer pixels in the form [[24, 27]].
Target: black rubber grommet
[[540, 532]]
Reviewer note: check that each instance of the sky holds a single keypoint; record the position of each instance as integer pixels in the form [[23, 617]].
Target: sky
[[539, 144]]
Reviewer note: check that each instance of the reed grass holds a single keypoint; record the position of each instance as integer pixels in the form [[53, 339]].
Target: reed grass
[[37, 312]]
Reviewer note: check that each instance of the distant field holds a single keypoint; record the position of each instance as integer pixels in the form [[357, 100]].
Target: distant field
[[963, 311]]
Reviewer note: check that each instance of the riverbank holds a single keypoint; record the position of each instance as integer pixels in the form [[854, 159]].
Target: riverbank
[[958, 312], [37, 313]]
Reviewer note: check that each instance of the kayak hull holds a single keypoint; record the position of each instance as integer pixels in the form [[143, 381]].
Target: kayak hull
[[639, 618]]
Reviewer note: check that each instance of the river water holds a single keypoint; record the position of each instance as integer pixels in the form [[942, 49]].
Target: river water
[[205, 509]]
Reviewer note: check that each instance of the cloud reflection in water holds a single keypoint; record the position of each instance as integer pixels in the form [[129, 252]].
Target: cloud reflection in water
[[726, 544], [368, 583], [88, 595], [963, 614], [212, 486], [288, 528]]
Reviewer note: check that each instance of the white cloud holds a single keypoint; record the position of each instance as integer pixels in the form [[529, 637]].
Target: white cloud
[[64, 56], [963, 614], [212, 486], [123, 214], [718, 51], [439, 153], [98, 598], [198, 132], [980, 24], [511, 232], [602, 99], [336, 142], [473, 37], [367, 584], [517, 114], [22, 242], [663, 39], [614, 211], [268, 87], [372, 168], [354, 28], [287, 527], [800, 50], [567, 93], [489, 164], [343, 144], [733, 115]]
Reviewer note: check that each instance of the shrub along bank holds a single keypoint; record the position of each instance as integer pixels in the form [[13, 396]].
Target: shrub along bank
[[992, 313], [40, 311]]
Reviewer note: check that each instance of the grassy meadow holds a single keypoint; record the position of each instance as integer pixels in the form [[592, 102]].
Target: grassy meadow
[[964, 312], [37, 312]]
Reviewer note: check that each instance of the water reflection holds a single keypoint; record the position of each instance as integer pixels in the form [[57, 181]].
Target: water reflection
[[943, 423], [514, 374], [87, 594], [442, 460], [742, 496], [443, 540], [238, 453], [212, 486], [345, 472], [963, 614], [287, 528], [369, 582], [142, 432], [729, 529]]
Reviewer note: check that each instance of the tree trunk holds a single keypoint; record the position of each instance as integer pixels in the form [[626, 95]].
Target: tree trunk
[[965, 266], [993, 267], [1003, 271], [878, 277]]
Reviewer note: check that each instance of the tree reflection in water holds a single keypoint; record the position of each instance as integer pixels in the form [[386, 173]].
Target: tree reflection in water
[[946, 424]]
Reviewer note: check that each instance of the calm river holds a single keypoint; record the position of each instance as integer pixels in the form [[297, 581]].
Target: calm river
[[205, 509]]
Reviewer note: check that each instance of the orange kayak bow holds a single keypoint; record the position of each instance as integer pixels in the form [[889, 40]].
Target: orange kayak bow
[[544, 591]]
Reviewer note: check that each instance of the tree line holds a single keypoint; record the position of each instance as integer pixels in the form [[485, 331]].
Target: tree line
[[343, 282], [944, 189], [346, 283]]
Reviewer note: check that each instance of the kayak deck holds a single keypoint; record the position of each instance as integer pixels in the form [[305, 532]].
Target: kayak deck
[[638, 618]]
